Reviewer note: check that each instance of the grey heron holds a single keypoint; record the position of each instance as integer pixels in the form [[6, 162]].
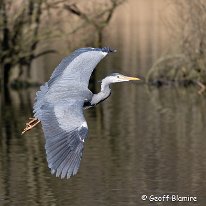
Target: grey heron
[[59, 107]]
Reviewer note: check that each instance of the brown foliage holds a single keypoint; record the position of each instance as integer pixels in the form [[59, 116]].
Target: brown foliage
[[20, 33], [187, 25]]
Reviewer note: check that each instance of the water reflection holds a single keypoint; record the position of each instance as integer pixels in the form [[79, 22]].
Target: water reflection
[[145, 141]]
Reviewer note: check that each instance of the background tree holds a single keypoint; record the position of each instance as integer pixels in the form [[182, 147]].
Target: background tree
[[187, 59], [98, 17], [27, 25], [20, 34]]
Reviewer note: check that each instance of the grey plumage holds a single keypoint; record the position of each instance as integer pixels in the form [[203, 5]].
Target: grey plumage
[[59, 106]]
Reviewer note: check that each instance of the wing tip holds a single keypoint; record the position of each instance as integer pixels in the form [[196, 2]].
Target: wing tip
[[65, 171], [63, 176], [108, 50], [103, 49]]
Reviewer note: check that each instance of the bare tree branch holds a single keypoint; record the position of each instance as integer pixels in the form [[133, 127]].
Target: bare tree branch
[[99, 21], [51, 51]]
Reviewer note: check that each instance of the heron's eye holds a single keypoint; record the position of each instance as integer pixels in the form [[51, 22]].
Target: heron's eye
[[118, 76]]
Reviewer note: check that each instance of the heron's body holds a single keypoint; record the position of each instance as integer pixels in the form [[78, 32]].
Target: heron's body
[[60, 103]]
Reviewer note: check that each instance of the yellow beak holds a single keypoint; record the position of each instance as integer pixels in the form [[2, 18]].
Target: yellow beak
[[131, 78]]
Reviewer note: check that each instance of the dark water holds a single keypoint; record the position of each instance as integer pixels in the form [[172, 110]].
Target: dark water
[[142, 140]]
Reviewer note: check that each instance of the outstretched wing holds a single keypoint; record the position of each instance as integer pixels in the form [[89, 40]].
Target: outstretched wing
[[78, 67], [65, 130]]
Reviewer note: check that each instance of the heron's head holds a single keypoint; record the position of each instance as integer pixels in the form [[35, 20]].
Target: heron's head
[[116, 77]]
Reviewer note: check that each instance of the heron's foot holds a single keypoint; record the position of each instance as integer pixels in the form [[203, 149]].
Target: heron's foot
[[202, 87], [31, 124]]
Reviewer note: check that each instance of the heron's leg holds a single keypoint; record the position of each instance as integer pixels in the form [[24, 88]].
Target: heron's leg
[[32, 123]]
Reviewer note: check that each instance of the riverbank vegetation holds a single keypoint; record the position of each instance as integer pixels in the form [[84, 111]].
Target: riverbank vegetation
[[185, 63]]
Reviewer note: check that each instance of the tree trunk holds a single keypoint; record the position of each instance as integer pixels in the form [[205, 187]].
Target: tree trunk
[[5, 95], [6, 73], [99, 42]]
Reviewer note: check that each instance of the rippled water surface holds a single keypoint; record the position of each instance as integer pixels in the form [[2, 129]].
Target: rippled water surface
[[142, 140]]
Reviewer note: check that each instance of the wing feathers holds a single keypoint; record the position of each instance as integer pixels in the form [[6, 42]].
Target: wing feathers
[[63, 163], [59, 107], [79, 64], [64, 148]]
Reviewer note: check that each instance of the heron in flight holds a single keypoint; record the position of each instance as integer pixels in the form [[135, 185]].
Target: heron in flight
[[59, 107]]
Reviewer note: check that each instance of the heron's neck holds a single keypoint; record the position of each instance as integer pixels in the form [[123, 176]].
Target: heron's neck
[[103, 94], [105, 86]]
